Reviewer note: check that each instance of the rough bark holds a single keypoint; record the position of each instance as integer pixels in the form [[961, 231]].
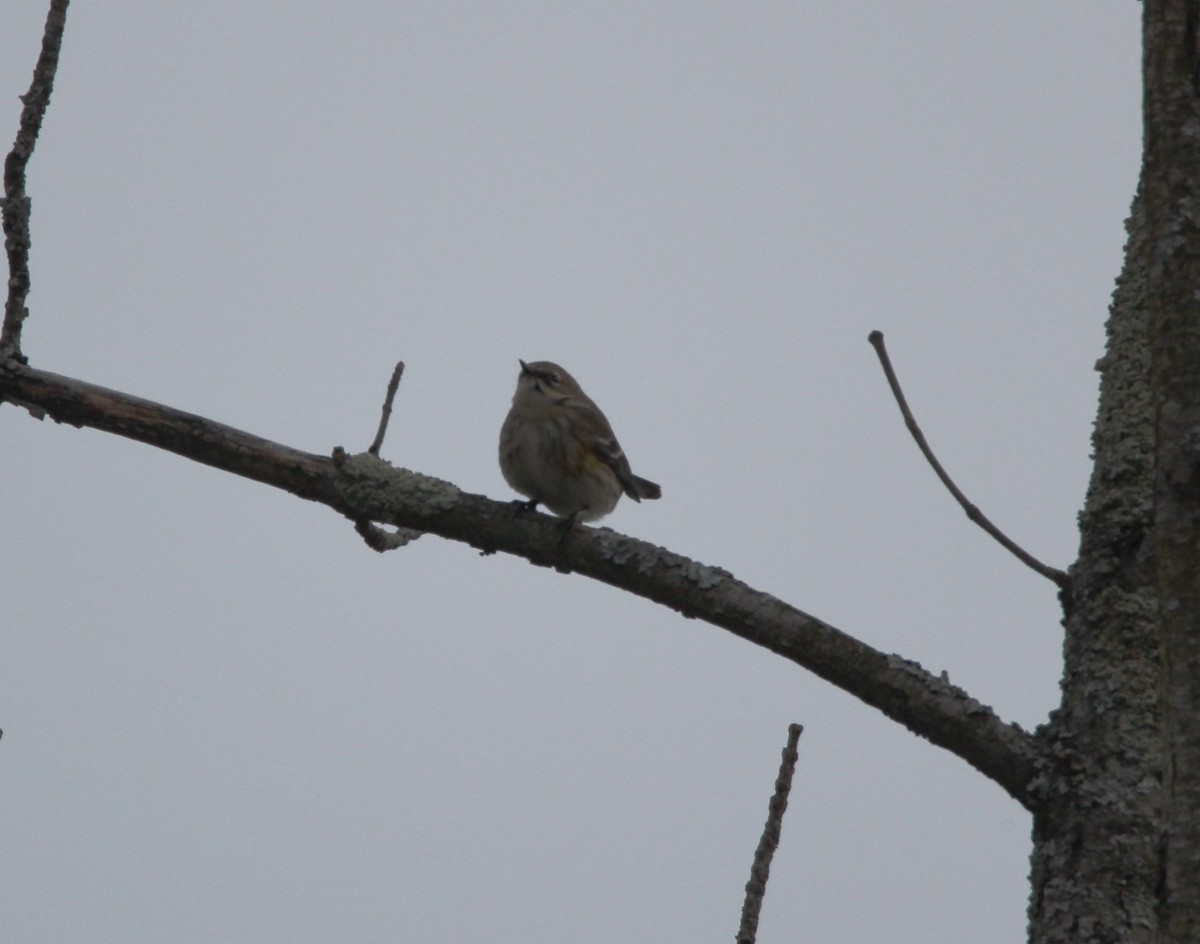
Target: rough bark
[[1096, 847], [1171, 177], [1117, 818]]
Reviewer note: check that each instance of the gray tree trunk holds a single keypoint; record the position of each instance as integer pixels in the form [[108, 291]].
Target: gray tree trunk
[[1117, 810]]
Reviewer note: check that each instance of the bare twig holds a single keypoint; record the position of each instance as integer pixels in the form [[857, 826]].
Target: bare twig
[[16, 203], [1051, 573], [761, 869], [377, 538], [392, 387]]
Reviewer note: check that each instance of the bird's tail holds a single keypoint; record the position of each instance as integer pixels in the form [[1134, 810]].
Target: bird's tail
[[645, 489]]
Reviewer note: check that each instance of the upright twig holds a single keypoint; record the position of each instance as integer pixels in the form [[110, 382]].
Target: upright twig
[[392, 387], [760, 871], [377, 538], [15, 205], [973, 512]]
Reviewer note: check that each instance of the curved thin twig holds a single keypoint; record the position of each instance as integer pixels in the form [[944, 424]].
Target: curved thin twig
[[1052, 573]]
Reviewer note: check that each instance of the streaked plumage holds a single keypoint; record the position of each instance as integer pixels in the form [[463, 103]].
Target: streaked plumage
[[558, 449]]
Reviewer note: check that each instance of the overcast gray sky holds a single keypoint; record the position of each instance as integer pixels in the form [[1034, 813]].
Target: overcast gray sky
[[226, 720]]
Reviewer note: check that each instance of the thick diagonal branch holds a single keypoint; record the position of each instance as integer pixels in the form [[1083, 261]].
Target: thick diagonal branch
[[364, 487]]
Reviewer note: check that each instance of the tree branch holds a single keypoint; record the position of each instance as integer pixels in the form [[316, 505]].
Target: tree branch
[[15, 206], [364, 487], [376, 538], [385, 413], [760, 871], [973, 512]]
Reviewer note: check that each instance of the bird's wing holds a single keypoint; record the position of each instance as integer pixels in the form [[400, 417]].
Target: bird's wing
[[597, 436]]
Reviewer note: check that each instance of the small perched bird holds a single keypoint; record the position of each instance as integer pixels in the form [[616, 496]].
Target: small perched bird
[[557, 449]]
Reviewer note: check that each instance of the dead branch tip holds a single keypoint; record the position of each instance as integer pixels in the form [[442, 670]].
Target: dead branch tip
[[760, 871], [386, 414], [15, 205], [1059, 577]]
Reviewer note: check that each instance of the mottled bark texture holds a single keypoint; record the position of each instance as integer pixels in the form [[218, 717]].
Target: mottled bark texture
[[1117, 819], [1171, 190]]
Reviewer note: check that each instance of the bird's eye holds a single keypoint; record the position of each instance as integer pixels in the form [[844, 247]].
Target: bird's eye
[[553, 379]]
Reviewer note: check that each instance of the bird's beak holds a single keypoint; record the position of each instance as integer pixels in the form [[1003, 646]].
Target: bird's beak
[[524, 367]]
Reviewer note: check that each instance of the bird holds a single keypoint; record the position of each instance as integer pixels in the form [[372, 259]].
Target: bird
[[558, 449]]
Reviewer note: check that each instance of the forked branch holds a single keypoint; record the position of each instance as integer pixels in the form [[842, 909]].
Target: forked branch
[[376, 538]]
